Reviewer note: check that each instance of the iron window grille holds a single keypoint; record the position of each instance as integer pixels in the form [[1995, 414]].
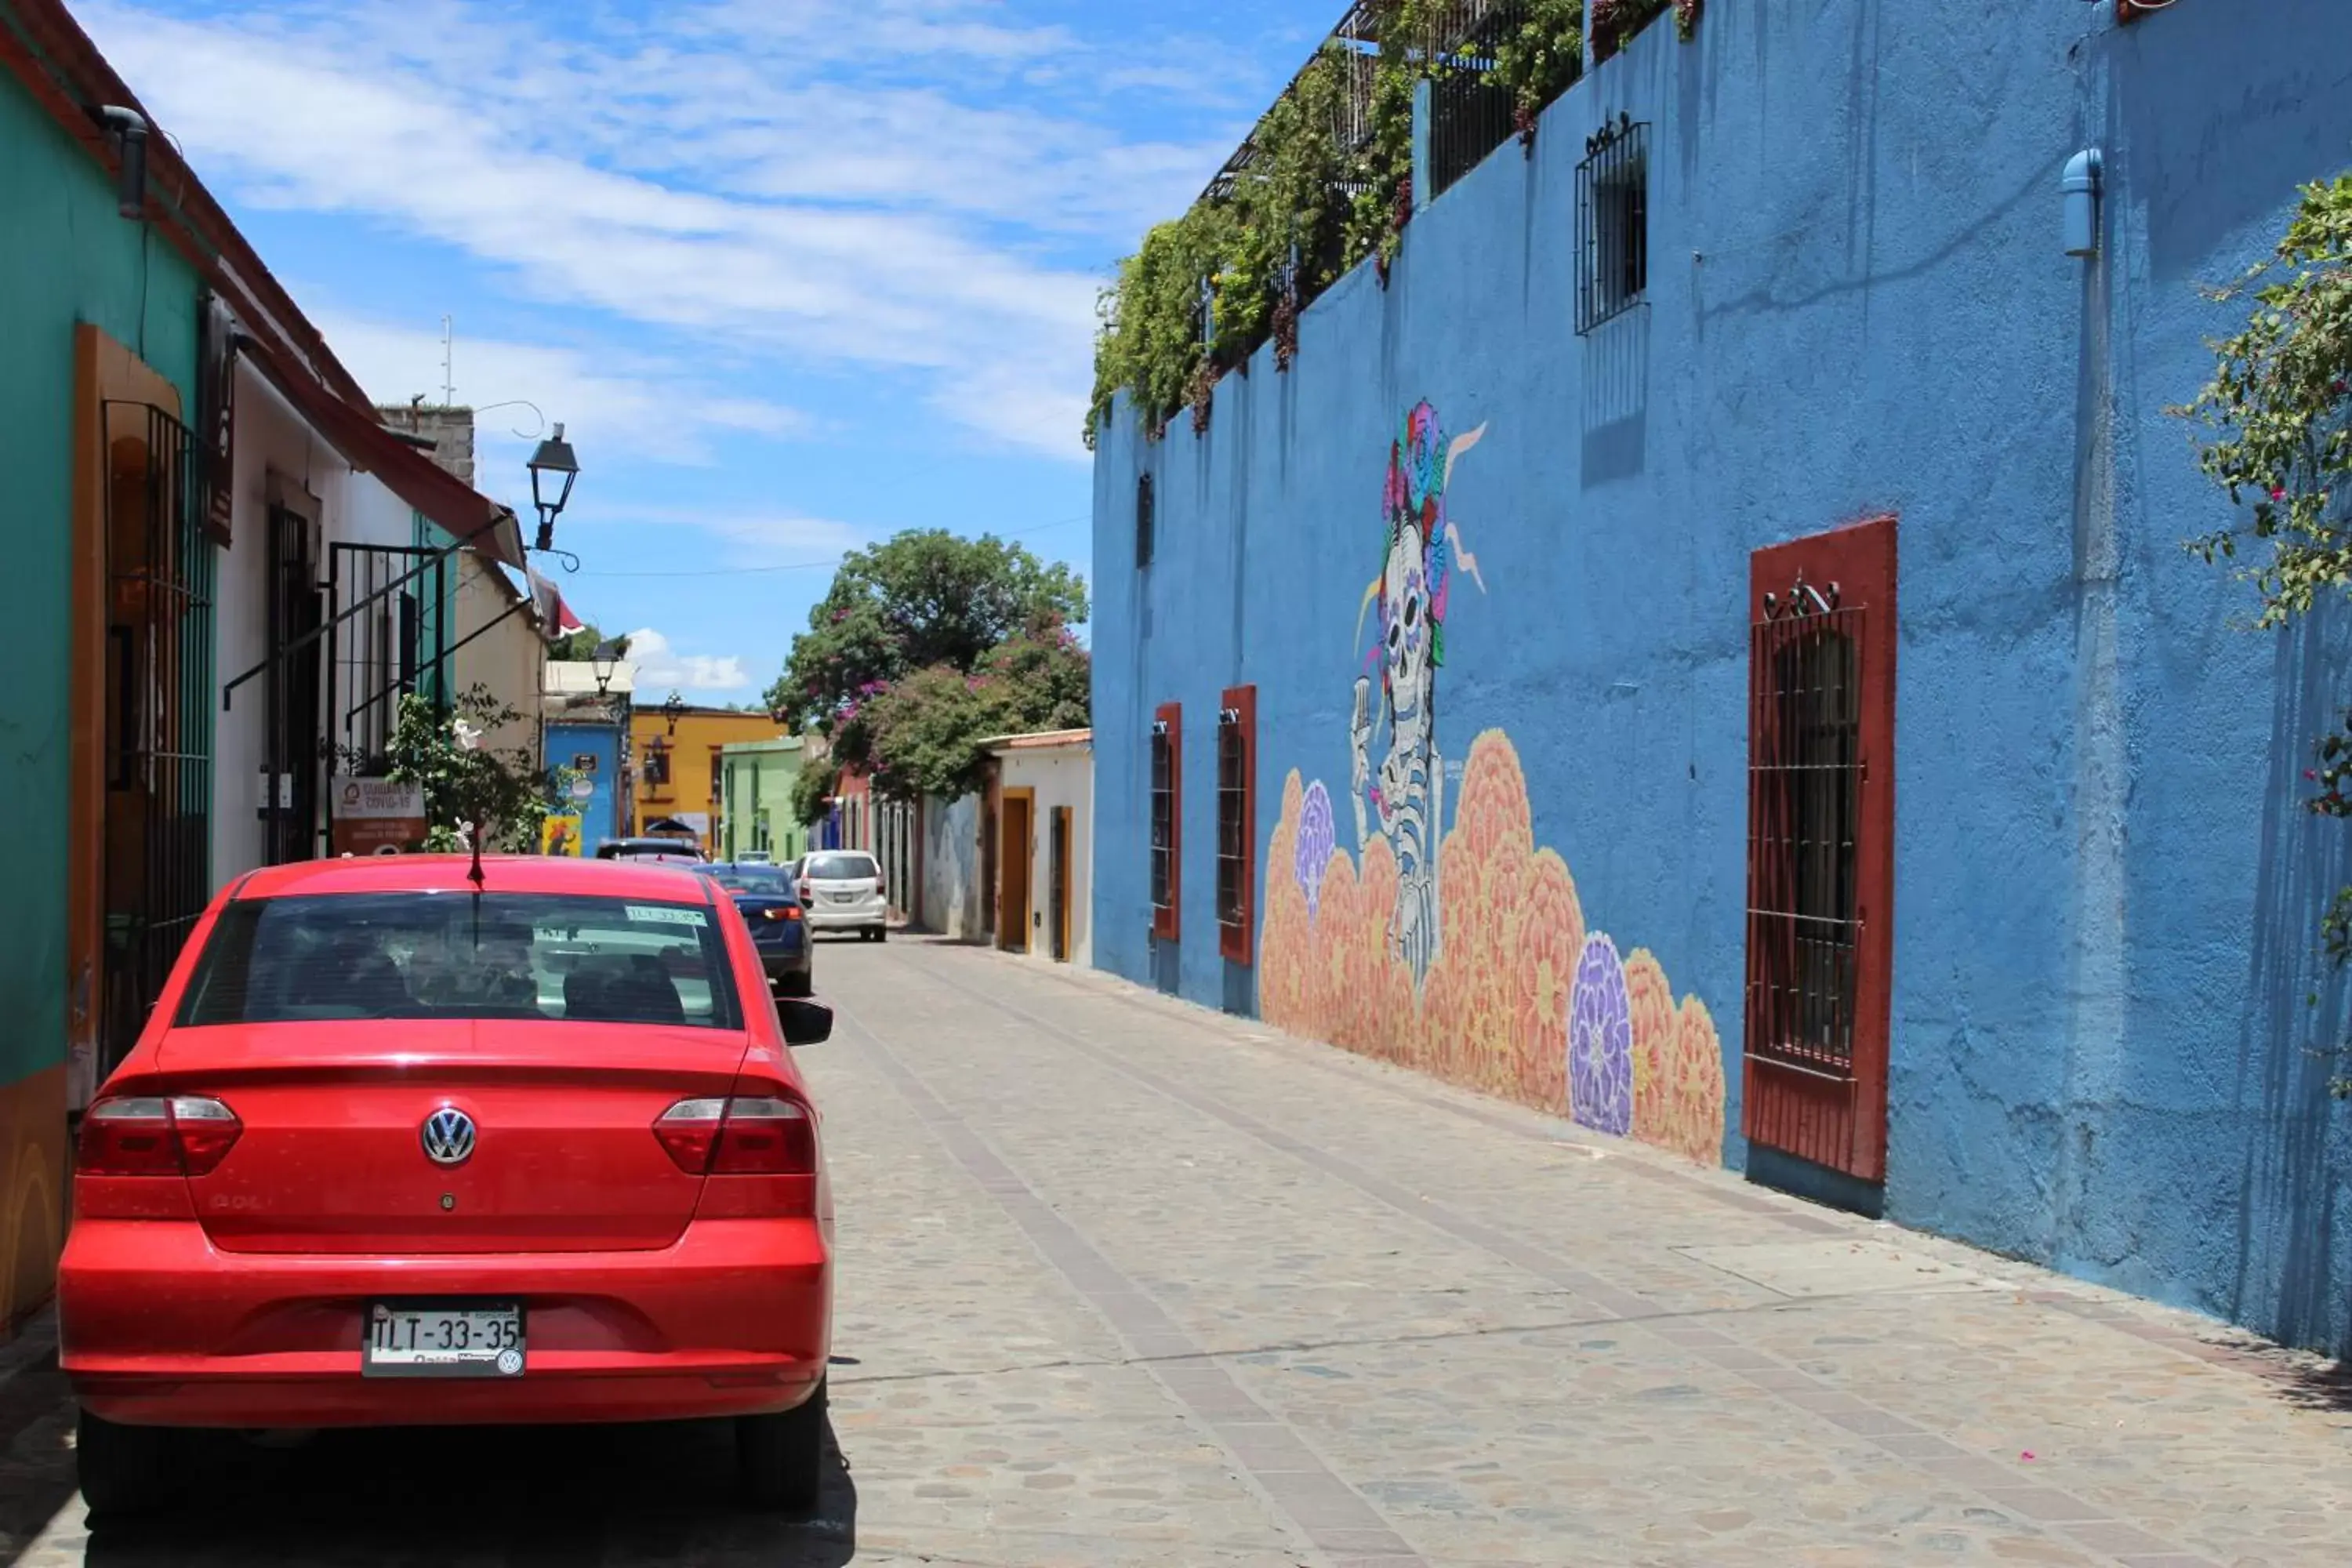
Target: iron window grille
[[157, 847], [1144, 520], [1805, 794], [1236, 821], [1613, 222], [1167, 782], [656, 767]]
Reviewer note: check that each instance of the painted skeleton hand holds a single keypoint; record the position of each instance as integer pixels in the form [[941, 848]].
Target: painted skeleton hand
[[1359, 739]]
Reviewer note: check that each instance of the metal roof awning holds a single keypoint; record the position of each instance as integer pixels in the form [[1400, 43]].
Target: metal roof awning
[[464, 513]]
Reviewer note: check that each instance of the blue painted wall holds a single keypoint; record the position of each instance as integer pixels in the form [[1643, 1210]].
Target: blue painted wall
[[2105, 897], [600, 813]]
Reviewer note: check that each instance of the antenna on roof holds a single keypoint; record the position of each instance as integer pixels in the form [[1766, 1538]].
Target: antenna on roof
[[449, 380], [473, 872]]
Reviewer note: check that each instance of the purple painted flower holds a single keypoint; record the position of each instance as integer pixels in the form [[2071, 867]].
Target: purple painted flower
[[1600, 1041], [1315, 839]]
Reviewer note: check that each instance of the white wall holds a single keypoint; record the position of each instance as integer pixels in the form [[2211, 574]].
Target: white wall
[[346, 507], [1060, 776], [951, 889]]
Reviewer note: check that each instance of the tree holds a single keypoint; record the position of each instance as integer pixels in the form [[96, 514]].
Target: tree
[[925, 731], [2279, 407], [581, 645], [496, 796], [920, 599], [813, 790]]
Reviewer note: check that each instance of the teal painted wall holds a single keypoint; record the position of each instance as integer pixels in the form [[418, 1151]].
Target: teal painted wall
[[68, 257]]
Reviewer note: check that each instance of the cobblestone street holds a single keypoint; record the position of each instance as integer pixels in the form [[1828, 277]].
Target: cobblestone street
[[1125, 1283]]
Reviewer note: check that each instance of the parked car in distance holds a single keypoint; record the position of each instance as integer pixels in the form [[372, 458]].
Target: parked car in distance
[[398, 1150], [842, 891], [771, 907], [666, 851]]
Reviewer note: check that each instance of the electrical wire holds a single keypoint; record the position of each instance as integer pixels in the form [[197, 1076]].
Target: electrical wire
[[829, 562]]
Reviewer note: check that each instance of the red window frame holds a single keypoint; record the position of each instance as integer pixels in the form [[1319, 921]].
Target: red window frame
[[1237, 823], [1167, 887]]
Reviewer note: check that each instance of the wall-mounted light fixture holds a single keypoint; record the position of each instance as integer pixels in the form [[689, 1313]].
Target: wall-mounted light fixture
[[128, 128], [2081, 188]]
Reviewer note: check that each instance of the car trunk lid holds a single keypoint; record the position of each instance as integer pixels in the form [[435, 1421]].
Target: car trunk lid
[[333, 1156]]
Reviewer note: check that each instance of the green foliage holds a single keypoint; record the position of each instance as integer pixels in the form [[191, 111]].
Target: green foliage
[[924, 598], [1541, 57], [466, 782], [813, 790], [926, 728], [2279, 413], [1616, 23], [580, 647], [2278, 405], [1328, 183]]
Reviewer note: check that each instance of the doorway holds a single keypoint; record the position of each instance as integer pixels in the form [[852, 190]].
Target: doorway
[[1821, 816], [1058, 880], [1016, 848], [296, 738]]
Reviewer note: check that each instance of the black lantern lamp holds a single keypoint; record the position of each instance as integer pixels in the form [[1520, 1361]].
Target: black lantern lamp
[[607, 658], [674, 709], [552, 468]]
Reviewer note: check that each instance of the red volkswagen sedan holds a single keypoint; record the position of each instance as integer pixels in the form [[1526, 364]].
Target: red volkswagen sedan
[[398, 1148]]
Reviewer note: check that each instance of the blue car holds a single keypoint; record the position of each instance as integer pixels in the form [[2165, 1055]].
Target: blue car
[[771, 906]]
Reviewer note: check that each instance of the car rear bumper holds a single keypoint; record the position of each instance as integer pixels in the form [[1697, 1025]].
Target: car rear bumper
[[785, 965], [158, 1326], [861, 916]]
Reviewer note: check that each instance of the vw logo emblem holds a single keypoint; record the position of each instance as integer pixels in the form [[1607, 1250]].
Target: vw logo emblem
[[448, 1136]]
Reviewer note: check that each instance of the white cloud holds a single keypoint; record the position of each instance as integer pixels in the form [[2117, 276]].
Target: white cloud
[[612, 405], [783, 179], [661, 668], [749, 541]]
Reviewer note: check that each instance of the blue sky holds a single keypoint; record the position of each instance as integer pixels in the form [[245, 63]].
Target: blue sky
[[795, 274]]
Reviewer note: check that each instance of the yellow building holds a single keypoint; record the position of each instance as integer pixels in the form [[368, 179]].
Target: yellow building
[[674, 750]]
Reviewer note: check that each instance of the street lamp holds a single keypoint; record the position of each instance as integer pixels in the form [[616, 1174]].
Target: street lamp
[[674, 709], [552, 466], [607, 658]]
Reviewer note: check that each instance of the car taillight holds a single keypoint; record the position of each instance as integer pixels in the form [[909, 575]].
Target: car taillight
[[141, 1136], [786, 913], [880, 892], [804, 893], [742, 1135]]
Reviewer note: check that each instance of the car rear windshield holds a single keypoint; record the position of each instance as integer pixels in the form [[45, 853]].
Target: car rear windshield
[[839, 868], [463, 955], [763, 880], [658, 850]]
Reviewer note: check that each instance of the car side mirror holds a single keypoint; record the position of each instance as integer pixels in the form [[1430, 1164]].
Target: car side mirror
[[806, 1023]]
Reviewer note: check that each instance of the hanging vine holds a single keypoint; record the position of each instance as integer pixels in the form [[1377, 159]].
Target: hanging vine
[[1616, 23], [1327, 186], [2279, 410]]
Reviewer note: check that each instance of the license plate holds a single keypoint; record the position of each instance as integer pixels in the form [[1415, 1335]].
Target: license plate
[[436, 1338], [844, 897]]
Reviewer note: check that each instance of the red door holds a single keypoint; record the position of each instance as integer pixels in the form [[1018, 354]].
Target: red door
[[1820, 818]]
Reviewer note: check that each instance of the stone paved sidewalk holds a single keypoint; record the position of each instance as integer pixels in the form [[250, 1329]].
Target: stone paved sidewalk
[[1123, 1282]]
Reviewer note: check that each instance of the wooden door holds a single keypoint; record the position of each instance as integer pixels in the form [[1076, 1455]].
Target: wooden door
[[1016, 847], [1820, 818], [1059, 854]]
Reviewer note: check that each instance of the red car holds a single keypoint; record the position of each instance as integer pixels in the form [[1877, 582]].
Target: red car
[[398, 1150]]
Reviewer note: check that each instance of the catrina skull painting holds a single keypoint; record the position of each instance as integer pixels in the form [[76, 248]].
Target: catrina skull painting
[[1398, 773]]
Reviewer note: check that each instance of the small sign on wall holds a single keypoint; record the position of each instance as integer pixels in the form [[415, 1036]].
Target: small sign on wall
[[376, 817]]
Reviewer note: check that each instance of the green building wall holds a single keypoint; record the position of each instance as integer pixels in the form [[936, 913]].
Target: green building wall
[[756, 792], [70, 257]]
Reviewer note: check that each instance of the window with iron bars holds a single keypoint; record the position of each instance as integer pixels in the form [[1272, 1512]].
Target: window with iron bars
[[656, 767], [1167, 788], [1613, 222], [1236, 821], [1143, 520]]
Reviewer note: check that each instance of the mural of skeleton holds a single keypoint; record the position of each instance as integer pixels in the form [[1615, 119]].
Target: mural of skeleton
[[1400, 793]]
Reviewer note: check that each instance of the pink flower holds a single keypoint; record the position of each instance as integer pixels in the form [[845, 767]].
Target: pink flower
[[2309, 774], [2278, 492]]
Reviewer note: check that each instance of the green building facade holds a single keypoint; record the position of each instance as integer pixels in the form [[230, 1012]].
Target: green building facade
[[756, 800]]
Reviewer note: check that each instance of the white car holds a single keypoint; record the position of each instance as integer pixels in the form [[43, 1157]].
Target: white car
[[841, 889]]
